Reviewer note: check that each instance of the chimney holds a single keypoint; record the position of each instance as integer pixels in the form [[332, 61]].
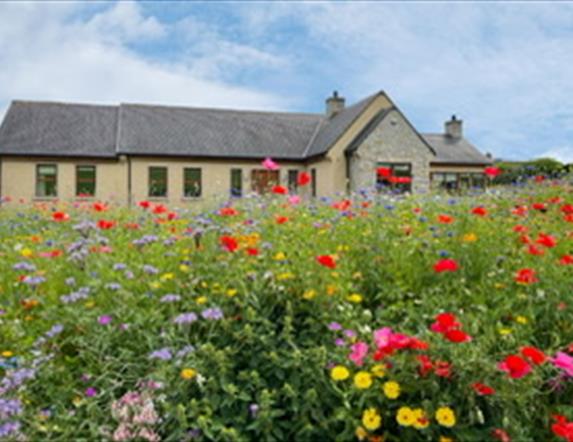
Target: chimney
[[454, 128], [334, 104]]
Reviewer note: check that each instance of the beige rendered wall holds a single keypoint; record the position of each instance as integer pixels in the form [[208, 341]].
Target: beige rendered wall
[[445, 168], [215, 177], [19, 179]]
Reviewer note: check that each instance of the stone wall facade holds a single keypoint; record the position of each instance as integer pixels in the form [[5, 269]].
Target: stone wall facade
[[392, 141]]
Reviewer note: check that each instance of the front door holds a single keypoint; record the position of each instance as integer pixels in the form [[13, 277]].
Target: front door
[[263, 180]]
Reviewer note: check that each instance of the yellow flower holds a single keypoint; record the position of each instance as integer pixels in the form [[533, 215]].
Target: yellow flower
[[446, 417], [285, 276], [355, 297], [201, 300], [204, 284], [26, 253], [499, 285], [155, 285], [335, 274], [309, 294], [422, 420], [446, 439], [280, 256], [77, 401], [405, 416], [504, 331], [339, 373], [470, 237], [361, 433], [343, 248], [362, 380], [330, 289], [90, 304], [391, 389], [371, 419], [7, 354], [231, 292], [167, 276], [521, 320], [188, 373], [379, 370], [184, 268], [357, 275]]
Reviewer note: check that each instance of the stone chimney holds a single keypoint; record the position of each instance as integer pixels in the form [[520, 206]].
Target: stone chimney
[[454, 128], [334, 104]]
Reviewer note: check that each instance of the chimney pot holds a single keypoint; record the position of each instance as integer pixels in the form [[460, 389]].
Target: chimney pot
[[454, 128], [334, 104]]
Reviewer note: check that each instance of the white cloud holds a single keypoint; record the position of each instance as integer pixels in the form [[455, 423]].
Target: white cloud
[[53, 52], [563, 154]]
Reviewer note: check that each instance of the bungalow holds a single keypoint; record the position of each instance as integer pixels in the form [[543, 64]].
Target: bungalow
[[180, 155]]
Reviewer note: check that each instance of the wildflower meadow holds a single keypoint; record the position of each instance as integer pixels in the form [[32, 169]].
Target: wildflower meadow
[[280, 318]]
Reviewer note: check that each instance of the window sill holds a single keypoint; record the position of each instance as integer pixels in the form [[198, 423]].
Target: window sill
[[191, 198], [45, 198], [163, 199]]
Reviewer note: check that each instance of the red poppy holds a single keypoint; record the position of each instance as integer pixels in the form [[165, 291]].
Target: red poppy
[[229, 243], [534, 250], [482, 389], [520, 229], [567, 209], [159, 209], [566, 260], [446, 265], [515, 366], [384, 172], [525, 239], [426, 365], [326, 261], [443, 369], [546, 240], [501, 435], [568, 218], [303, 178], [520, 211], [281, 219], [252, 251], [492, 172], [539, 178], [562, 428], [99, 207], [457, 336], [539, 206], [280, 190], [445, 322], [105, 225], [445, 219], [479, 211], [228, 211], [342, 205], [533, 355], [60, 216], [526, 276], [144, 204]]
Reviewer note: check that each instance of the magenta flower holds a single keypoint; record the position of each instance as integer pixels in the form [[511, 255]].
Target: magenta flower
[[269, 164], [359, 352], [91, 392], [564, 362], [104, 320]]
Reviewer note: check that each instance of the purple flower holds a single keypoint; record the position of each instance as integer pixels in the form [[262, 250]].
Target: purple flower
[[150, 270], [350, 333], [185, 351], [253, 409], [26, 266], [185, 318], [334, 326], [119, 266], [170, 298], [340, 342], [105, 319], [212, 313], [9, 407], [9, 429], [91, 392], [164, 354], [55, 330], [34, 280]]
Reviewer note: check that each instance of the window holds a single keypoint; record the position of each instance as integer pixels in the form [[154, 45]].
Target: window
[[451, 181], [85, 181], [292, 180], [398, 178], [158, 182], [46, 180], [445, 181], [236, 182], [263, 180], [191, 182], [313, 182]]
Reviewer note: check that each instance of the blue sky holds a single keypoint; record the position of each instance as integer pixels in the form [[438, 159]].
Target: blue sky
[[505, 69]]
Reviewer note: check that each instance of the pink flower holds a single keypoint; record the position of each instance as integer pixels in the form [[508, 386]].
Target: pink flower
[[359, 352], [91, 392], [104, 320], [564, 362], [294, 199], [269, 164]]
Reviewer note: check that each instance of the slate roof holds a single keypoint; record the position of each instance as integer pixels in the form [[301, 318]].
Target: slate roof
[[58, 129], [451, 150], [80, 130]]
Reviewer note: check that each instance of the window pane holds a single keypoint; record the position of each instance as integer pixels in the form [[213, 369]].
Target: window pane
[[85, 180], [236, 182], [192, 182], [400, 179], [46, 180], [313, 181], [292, 180], [158, 181]]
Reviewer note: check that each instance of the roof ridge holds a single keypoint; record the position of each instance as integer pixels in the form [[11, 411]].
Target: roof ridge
[[222, 109], [313, 137]]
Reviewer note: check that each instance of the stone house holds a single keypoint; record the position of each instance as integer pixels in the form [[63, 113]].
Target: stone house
[[182, 155]]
